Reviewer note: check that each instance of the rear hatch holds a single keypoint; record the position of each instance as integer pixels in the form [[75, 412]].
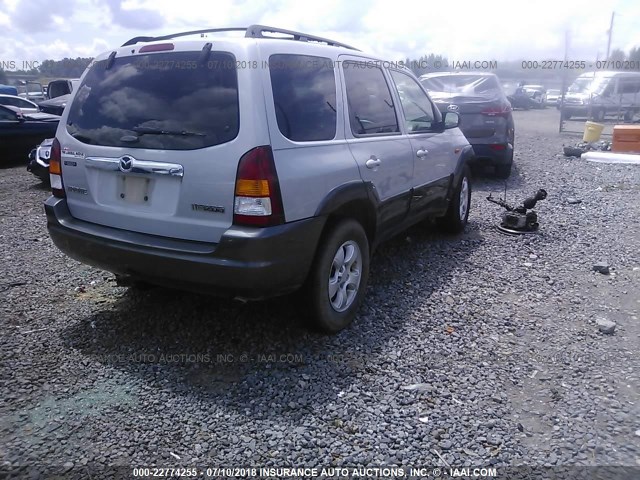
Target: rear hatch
[[151, 142], [479, 100]]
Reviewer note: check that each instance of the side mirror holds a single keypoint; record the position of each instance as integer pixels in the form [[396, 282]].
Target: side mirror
[[451, 120]]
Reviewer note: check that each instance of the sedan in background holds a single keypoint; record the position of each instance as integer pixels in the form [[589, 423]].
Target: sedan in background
[[538, 94], [553, 97], [486, 116], [20, 132], [25, 106]]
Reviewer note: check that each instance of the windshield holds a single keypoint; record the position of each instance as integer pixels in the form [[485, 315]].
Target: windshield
[[168, 92], [587, 85]]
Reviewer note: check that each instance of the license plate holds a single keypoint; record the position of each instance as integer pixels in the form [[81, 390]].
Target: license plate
[[134, 190]]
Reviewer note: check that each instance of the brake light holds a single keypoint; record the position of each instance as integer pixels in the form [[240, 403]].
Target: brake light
[[159, 47], [502, 111], [258, 201], [498, 146], [55, 170]]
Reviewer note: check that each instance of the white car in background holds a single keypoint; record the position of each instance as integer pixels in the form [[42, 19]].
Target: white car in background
[[25, 106], [553, 97], [537, 93]]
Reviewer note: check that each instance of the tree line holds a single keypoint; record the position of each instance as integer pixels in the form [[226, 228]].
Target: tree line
[[73, 67]]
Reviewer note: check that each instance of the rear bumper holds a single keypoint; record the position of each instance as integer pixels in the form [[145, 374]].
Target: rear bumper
[[247, 262], [492, 155]]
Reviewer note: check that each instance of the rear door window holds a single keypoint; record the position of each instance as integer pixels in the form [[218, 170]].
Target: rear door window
[[168, 101], [304, 96], [371, 108]]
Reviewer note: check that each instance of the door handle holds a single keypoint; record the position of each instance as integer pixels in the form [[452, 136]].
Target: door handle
[[373, 163], [421, 153]]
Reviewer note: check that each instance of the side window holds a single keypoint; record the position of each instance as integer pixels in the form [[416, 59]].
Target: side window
[[7, 114], [10, 101], [304, 96], [371, 109], [629, 85], [418, 112]]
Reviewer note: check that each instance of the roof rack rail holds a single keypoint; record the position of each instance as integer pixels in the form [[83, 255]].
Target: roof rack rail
[[257, 31], [253, 31]]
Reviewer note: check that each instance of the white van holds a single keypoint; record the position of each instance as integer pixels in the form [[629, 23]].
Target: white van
[[598, 94]]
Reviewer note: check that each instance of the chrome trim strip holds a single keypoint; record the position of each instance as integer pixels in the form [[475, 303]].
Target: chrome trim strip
[[137, 166]]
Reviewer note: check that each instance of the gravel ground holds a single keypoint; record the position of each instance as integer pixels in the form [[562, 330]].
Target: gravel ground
[[483, 348]]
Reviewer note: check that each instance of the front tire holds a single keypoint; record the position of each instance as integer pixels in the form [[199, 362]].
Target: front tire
[[457, 214], [338, 278]]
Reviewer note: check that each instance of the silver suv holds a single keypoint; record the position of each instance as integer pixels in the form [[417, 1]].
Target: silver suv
[[251, 166]]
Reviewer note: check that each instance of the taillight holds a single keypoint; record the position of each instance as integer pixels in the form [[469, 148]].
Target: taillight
[[55, 170], [499, 111], [258, 201]]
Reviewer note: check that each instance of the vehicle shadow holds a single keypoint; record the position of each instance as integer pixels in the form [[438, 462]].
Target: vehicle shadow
[[485, 179], [225, 352], [11, 161]]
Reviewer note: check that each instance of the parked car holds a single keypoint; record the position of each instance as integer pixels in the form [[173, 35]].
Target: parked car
[[553, 97], [25, 106], [57, 88], [486, 116], [60, 93], [598, 94], [55, 105], [39, 160], [538, 94], [251, 182], [32, 91], [19, 132], [521, 100]]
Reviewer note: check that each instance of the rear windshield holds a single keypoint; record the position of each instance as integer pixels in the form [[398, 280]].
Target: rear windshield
[[462, 84], [169, 101]]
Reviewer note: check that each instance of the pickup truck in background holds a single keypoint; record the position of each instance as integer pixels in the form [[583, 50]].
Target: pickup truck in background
[[59, 92]]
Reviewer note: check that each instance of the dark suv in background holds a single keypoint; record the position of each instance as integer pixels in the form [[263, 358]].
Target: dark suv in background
[[486, 117]]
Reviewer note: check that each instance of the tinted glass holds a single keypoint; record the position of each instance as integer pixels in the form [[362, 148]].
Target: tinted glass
[[195, 104], [629, 85], [6, 114], [371, 109], [462, 84], [304, 96], [418, 112], [9, 101]]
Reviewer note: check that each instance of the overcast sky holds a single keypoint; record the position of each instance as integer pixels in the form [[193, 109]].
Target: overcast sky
[[462, 30]]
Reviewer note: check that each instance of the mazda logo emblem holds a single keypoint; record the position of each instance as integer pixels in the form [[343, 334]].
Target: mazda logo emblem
[[453, 108], [125, 164]]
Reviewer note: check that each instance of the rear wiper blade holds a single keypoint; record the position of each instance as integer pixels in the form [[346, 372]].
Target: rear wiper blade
[[159, 131]]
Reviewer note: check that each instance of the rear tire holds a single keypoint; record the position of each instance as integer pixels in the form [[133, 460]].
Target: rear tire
[[503, 171], [457, 214], [338, 278]]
